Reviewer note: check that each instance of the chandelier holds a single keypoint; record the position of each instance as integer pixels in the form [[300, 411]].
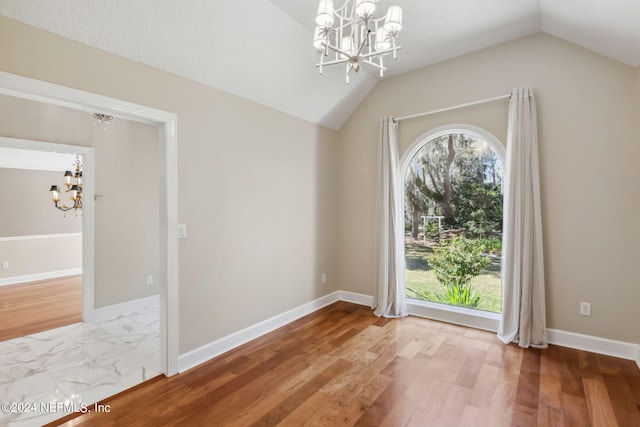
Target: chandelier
[[355, 35], [74, 188]]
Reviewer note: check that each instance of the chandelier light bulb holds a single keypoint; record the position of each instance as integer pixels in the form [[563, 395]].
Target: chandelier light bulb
[[393, 20], [365, 8], [74, 190], [55, 193], [382, 40], [347, 46], [324, 17]]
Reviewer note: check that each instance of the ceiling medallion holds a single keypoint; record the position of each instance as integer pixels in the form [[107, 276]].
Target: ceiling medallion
[[102, 120]]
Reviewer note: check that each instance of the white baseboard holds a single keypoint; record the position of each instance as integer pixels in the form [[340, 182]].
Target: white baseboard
[[355, 298], [209, 351], [39, 236], [622, 349], [487, 321], [40, 276], [490, 321], [115, 310]]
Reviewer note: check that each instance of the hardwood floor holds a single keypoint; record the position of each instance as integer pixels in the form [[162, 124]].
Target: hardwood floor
[[39, 306], [342, 366]]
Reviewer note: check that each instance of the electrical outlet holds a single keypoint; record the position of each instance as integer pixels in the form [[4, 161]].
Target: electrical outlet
[[324, 278], [585, 309], [149, 280], [5, 265]]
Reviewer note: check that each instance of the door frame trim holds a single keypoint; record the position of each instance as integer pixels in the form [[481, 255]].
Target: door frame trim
[[36, 90]]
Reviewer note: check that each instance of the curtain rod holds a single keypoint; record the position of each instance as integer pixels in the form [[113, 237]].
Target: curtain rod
[[455, 107]]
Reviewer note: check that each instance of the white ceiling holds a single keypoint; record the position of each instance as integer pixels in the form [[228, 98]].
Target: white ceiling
[[261, 49]]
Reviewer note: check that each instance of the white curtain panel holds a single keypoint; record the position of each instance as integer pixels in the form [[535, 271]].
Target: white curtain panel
[[389, 290], [523, 314]]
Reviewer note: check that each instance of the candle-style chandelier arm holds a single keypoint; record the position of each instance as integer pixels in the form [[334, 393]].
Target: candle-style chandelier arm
[[362, 55], [374, 54], [346, 55], [373, 64], [65, 208], [365, 58]]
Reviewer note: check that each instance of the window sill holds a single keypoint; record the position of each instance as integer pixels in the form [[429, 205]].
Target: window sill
[[478, 319]]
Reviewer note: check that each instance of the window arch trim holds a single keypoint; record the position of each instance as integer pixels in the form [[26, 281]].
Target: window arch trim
[[426, 137]]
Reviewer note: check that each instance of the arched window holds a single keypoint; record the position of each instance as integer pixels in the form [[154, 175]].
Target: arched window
[[453, 179]]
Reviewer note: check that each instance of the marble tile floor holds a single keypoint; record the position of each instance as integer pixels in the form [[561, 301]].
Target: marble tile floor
[[47, 375]]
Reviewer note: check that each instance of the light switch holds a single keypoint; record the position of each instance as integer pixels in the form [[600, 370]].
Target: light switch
[[182, 231]]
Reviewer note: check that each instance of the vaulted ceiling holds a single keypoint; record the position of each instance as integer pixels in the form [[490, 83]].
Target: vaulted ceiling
[[261, 49]]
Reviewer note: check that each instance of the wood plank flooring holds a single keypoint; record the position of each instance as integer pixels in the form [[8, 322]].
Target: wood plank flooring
[[33, 307], [342, 366]]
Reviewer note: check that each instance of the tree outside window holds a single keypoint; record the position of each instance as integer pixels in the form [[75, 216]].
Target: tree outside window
[[453, 222]]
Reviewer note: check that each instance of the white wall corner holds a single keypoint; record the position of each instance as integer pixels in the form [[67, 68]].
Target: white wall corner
[[638, 355], [355, 298], [209, 351]]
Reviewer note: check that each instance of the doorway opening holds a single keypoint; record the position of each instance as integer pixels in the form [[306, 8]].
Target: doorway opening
[[40, 246], [26, 88]]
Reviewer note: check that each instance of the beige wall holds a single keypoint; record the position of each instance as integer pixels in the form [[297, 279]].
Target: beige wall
[[256, 187], [127, 213], [589, 149], [29, 212], [126, 175], [34, 256], [27, 207]]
